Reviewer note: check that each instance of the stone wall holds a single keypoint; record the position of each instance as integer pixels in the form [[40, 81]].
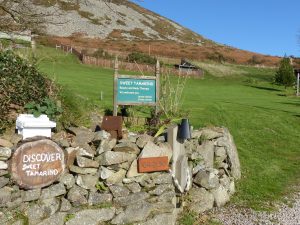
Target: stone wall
[[102, 184]]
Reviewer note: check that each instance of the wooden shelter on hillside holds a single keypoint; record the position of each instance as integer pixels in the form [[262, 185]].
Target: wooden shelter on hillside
[[187, 68]]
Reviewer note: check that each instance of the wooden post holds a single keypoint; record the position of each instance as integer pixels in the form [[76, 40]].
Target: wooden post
[[115, 112], [157, 75]]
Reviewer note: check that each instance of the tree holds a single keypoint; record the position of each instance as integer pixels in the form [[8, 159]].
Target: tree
[[285, 73]]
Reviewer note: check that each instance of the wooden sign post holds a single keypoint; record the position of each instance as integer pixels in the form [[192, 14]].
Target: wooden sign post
[[37, 164], [136, 90]]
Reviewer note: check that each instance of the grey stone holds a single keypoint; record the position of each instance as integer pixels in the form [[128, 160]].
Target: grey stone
[[133, 170], [207, 180], [162, 206], [3, 181], [5, 195], [110, 158], [168, 196], [221, 196], [152, 150], [101, 135], [105, 173], [116, 177], [163, 178], [106, 145], [200, 200], [231, 188], [86, 163], [161, 219], [68, 180], [83, 135], [225, 182], [55, 219], [220, 154], [3, 172], [5, 143], [209, 134], [196, 134], [127, 147], [65, 205], [134, 187], [87, 181], [78, 170], [14, 204], [119, 191], [133, 213], [96, 198], [160, 189], [31, 195], [77, 196], [5, 153], [206, 150], [86, 151], [131, 199], [3, 165], [197, 168], [63, 143], [143, 140], [53, 191], [92, 216]]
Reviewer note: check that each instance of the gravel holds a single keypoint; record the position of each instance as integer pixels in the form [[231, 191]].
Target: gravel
[[286, 214]]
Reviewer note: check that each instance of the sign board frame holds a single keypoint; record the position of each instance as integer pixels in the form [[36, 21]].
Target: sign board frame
[[132, 78]]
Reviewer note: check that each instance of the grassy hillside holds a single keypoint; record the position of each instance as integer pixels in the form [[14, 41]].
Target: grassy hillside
[[264, 119]]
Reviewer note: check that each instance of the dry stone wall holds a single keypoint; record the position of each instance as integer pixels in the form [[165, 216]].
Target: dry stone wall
[[102, 185]]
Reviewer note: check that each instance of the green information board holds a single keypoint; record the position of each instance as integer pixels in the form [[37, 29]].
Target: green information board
[[136, 91]]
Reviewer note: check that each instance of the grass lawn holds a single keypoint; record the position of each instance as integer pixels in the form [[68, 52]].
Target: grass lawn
[[265, 123]]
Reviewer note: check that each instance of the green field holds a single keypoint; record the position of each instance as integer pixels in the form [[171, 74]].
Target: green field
[[263, 118]]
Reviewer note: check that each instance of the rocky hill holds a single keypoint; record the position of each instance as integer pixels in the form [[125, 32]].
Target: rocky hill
[[121, 25]]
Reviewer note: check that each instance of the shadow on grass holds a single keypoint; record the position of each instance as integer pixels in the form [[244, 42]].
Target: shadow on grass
[[264, 88], [291, 103]]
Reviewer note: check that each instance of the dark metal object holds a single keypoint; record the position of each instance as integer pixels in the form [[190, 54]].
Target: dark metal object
[[113, 125], [184, 130]]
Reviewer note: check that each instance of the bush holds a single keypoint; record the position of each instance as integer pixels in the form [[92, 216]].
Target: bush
[[141, 58], [285, 73], [20, 83]]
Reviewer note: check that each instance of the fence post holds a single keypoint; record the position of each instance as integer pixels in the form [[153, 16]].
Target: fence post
[[115, 112], [157, 75]]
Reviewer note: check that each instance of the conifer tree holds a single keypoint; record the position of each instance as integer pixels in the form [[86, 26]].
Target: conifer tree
[[285, 73]]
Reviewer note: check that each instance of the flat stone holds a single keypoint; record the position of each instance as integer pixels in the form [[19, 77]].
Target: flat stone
[[3, 181], [131, 199], [207, 180], [31, 195], [163, 178], [3, 165], [200, 200], [87, 181], [86, 163], [206, 150], [68, 180], [116, 177], [127, 147], [119, 191], [165, 219], [92, 216], [53, 191], [65, 205], [160, 189], [133, 213], [134, 187], [143, 140], [96, 198], [110, 158], [79, 170], [5, 153], [162, 207], [55, 219], [77, 196], [5, 143], [209, 134], [221, 196]]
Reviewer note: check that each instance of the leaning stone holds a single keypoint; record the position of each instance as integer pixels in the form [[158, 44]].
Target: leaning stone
[[96, 198], [206, 150], [127, 147], [31, 195], [201, 200], [3, 181], [160, 189], [221, 196], [207, 180], [92, 216], [209, 134], [53, 191], [87, 181], [134, 187], [86, 163], [131, 199], [110, 158], [78, 170], [5, 153], [77, 196], [143, 140], [119, 191], [116, 177], [5, 143], [55, 219], [3, 165], [65, 205], [165, 219], [68, 180], [133, 213]]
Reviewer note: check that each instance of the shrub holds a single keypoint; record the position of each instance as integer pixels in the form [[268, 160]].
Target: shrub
[[20, 83], [285, 73], [141, 58]]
